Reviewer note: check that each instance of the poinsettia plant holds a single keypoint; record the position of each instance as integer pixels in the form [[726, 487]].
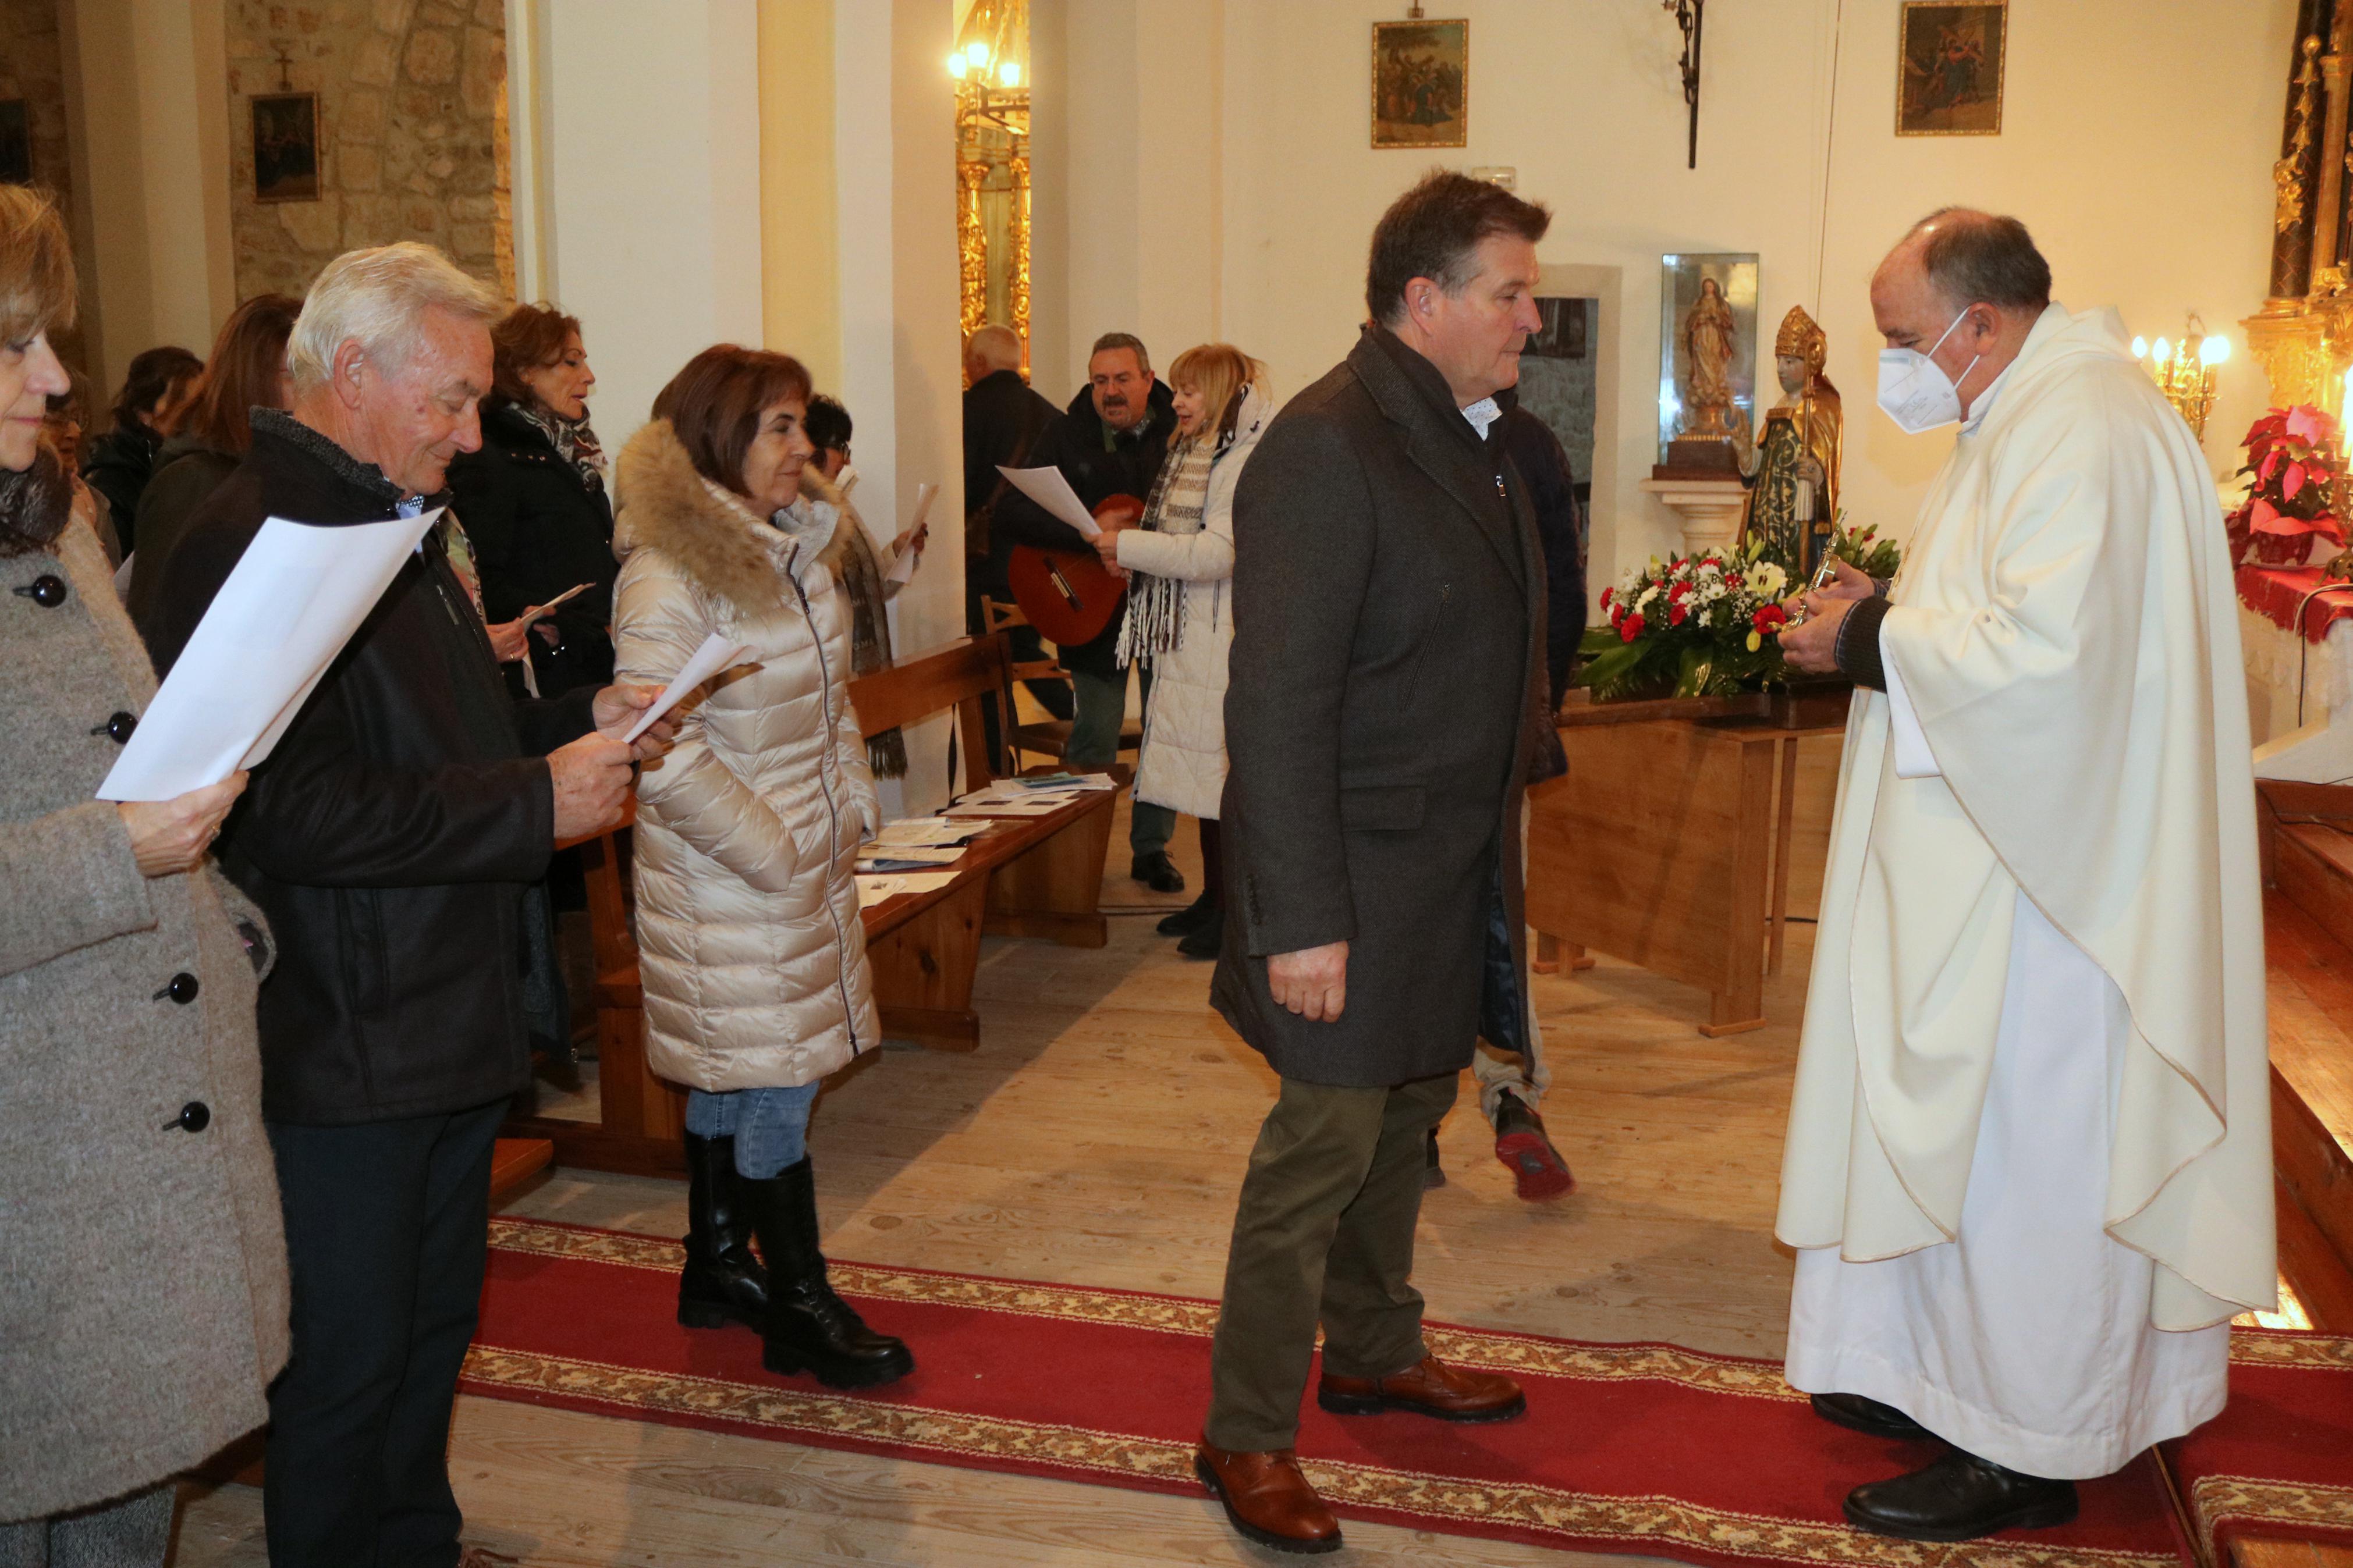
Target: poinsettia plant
[[1707, 624], [2295, 457]]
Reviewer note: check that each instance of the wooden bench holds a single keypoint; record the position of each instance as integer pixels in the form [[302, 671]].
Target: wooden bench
[[1037, 877]]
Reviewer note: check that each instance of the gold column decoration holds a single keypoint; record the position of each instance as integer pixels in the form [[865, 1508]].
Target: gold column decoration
[[991, 69], [1018, 271], [2306, 345], [972, 247]]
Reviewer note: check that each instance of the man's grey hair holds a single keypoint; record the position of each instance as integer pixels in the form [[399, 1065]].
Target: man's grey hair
[[378, 299], [996, 346], [1973, 258], [1111, 341]]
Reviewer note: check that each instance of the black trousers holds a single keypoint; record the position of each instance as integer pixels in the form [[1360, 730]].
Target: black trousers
[[386, 1237]]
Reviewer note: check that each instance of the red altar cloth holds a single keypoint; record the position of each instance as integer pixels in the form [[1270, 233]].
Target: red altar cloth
[[2274, 592]]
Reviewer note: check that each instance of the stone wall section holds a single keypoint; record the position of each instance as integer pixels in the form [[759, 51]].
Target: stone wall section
[[32, 66], [412, 132]]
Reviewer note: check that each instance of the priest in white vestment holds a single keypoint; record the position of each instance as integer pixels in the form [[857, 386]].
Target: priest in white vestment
[[2029, 1164]]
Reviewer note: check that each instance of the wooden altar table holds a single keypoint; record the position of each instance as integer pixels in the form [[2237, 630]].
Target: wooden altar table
[[1670, 844]]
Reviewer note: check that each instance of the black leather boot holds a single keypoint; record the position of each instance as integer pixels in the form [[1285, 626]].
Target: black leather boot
[[723, 1282], [1960, 1498], [810, 1328]]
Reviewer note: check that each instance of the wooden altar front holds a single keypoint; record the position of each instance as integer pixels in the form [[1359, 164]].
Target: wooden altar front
[[1672, 844]]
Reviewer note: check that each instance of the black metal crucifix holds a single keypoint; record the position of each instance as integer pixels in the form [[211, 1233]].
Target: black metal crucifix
[[1687, 17]]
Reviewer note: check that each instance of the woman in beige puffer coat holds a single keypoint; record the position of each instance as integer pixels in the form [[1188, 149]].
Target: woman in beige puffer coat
[[754, 962]]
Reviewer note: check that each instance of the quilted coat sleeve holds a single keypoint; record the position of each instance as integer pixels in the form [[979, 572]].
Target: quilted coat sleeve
[[1203, 557], [659, 620]]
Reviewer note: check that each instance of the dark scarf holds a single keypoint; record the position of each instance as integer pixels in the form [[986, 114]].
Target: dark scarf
[[849, 556], [572, 439], [35, 504]]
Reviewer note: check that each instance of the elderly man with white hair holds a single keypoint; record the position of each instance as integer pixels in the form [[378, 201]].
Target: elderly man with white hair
[[2029, 1168], [394, 838]]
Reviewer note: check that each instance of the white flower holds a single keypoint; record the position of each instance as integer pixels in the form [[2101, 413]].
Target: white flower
[[1767, 579], [1648, 594]]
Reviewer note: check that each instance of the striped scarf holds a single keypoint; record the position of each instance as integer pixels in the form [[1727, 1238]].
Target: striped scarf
[[1155, 605], [572, 439]]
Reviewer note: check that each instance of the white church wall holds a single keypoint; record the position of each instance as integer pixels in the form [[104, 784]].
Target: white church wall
[[2141, 198], [651, 167]]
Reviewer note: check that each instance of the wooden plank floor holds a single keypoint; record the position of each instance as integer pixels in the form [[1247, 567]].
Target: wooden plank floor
[[1098, 1136]]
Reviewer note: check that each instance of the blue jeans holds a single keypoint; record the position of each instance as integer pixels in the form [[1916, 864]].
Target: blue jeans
[[770, 1126]]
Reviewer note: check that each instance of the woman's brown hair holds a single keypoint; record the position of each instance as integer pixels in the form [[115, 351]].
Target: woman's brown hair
[[714, 405], [36, 265], [248, 357], [527, 338]]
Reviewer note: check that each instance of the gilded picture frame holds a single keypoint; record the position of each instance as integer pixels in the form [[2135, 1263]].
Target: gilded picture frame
[[1422, 83], [1949, 68]]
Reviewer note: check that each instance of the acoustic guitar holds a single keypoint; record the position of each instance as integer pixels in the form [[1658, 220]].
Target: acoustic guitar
[[1071, 596]]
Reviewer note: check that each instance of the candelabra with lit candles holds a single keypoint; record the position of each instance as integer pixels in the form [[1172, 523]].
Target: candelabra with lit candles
[[2184, 371]]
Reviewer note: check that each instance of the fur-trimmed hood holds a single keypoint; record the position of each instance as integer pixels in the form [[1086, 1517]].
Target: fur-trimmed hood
[[713, 536]]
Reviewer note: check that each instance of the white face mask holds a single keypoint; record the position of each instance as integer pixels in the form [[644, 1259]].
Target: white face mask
[[1914, 389]]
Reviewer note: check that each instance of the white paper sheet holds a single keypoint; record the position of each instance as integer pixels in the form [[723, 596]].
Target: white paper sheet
[[1029, 805], [902, 570], [563, 598], [1050, 489], [294, 601], [872, 891], [926, 830], [715, 654]]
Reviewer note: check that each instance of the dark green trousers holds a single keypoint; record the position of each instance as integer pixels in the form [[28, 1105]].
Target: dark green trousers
[[1325, 1234]]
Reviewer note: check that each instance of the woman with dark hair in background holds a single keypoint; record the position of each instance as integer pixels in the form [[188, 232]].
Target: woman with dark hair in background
[[143, 1306], [533, 502], [862, 571], [119, 463], [248, 371], [757, 980]]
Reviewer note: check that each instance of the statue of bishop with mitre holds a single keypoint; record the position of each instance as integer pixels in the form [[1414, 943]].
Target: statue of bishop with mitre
[[1792, 473]]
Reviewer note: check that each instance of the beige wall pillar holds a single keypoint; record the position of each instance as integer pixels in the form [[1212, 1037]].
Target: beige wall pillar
[[146, 84]]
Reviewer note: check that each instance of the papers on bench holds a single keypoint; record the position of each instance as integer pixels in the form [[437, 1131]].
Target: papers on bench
[[1050, 489], [294, 599], [908, 857], [926, 831], [1038, 796], [872, 891], [715, 654]]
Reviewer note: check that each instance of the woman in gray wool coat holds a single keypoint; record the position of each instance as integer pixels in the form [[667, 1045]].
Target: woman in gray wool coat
[[143, 1304]]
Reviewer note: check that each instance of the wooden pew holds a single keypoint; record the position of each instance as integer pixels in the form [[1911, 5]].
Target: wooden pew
[[1028, 876]]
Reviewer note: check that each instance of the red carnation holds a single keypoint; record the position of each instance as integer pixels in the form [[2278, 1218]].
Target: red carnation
[[1771, 618], [1677, 616], [1608, 594], [1629, 628]]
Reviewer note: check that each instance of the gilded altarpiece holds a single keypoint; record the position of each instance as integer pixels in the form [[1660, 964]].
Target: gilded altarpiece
[[992, 92]]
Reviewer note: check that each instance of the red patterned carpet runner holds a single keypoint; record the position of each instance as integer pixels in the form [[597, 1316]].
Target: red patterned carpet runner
[[1625, 1448]]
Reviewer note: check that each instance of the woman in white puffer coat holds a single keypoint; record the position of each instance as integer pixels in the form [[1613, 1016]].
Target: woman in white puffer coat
[[754, 962], [1179, 559]]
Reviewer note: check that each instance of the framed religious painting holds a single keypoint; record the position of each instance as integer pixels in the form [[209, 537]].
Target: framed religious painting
[[1421, 84], [286, 147], [1707, 361], [16, 142], [1949, 68]]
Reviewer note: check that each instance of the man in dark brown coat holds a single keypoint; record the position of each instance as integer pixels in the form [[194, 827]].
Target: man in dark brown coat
[[1388, 703]]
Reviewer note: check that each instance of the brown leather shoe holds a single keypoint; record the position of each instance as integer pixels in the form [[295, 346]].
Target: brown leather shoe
[[1267, 1499], [1433, 1388]]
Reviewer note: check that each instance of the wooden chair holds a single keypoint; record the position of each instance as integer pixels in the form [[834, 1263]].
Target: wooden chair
[[1049, 738]]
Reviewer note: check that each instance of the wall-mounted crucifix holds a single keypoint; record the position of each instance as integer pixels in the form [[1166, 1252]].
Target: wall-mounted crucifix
[[1687, 17]]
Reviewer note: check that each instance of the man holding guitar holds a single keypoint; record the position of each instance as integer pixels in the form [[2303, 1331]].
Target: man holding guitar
[[1109, 443]]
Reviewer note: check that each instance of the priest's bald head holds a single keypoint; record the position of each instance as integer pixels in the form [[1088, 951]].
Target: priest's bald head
[[1965, 287]]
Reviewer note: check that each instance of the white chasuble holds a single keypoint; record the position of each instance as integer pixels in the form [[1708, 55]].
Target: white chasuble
[[2032, 1108]]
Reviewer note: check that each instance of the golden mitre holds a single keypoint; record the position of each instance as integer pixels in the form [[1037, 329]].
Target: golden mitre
[[1801, 339]]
